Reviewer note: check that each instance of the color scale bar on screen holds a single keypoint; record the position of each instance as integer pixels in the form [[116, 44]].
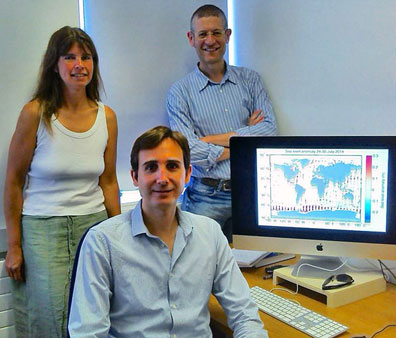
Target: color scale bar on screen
[[367, 202]]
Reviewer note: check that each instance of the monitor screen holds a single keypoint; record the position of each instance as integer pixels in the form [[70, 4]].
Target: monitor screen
[[319, 195]]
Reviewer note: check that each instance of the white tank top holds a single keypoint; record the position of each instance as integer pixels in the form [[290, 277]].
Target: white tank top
[[63, 177]]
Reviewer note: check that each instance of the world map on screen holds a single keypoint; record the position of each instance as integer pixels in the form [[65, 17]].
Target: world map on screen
[[318, 187]]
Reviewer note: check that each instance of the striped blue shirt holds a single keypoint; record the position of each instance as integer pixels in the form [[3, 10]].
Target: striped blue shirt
[[198, 107]]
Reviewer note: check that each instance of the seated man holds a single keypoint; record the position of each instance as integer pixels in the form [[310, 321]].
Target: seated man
[[149, 272]]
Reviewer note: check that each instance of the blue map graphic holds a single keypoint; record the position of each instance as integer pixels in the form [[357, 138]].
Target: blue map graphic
[[318, 187]]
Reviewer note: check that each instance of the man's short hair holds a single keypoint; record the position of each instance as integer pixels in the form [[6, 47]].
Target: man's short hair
[[208, 10], [152, 138]]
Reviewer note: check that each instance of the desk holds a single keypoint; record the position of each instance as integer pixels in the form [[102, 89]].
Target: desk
[[365, 316]]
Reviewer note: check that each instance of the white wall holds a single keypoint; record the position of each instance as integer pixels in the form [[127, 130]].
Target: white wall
[[143, 49], [25, 28], [329, 65]]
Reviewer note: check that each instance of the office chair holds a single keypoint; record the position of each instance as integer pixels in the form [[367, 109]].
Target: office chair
[[73, 276]]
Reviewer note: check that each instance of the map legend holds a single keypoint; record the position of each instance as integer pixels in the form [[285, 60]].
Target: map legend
[[367, 199]]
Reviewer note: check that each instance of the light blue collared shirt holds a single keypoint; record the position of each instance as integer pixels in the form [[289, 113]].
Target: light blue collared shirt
[[127, 284], [198, 107]]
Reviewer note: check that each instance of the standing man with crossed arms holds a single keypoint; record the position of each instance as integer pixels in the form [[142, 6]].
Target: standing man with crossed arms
[[210, 105]]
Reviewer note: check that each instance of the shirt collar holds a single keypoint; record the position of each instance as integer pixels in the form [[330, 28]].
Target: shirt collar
[[204, 81], [138, 226], [184, 222]]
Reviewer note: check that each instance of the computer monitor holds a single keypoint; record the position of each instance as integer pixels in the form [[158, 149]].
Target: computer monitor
[[315, 195]]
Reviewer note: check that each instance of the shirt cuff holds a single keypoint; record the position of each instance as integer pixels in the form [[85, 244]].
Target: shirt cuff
[[214, 153]]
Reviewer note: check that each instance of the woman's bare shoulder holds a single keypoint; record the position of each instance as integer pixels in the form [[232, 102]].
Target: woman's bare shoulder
[[31, 111], [110, 113]]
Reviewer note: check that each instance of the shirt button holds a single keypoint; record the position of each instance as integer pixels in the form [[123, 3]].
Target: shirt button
[[207, 170], [174, 306], [171, 274], [226, 109], [221, 91]]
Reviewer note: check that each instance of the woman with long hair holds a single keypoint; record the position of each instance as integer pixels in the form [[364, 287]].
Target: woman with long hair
[[61, 179]]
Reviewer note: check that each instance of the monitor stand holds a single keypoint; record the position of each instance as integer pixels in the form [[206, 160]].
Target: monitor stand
[[318, 267], [365, 283]]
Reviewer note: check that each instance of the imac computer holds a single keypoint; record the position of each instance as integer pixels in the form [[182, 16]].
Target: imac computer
[[315, 195]]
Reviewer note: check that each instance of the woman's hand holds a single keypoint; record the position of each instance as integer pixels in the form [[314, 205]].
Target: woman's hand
[[14, 263]]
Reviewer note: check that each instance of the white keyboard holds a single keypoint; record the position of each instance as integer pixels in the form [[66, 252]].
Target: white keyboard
[[301, 318]]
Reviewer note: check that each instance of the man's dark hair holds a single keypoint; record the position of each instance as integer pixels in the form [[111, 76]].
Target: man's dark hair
[[152, 138], [208, 10]]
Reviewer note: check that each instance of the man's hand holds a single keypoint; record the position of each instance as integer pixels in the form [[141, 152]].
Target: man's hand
[[256, 117], [14, 263], [219, 139], [224, 139]]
